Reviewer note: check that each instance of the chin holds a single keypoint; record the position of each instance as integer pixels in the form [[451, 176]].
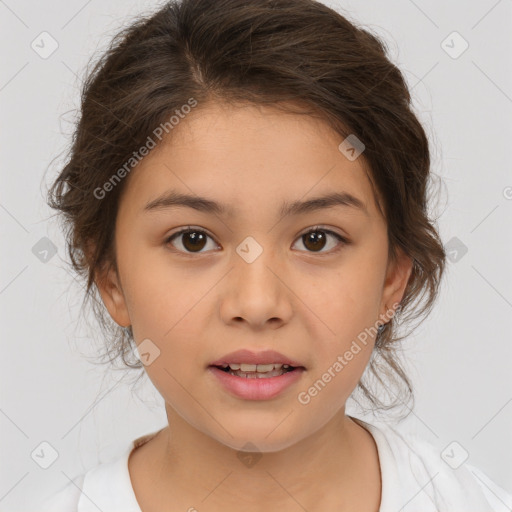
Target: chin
[[265, 437]]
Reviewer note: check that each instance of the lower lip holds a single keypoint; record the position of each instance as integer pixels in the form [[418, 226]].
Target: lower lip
[[256, 389]]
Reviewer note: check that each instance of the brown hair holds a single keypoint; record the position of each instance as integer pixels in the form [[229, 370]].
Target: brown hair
[[297, 55]]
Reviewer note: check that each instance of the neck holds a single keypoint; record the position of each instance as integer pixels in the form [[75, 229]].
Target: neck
[[329, 467]]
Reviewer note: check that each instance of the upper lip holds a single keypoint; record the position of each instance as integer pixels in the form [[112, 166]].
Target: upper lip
[[249, 357]]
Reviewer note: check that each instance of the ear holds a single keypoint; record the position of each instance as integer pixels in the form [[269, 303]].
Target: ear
[[397, 276], [111, 292]]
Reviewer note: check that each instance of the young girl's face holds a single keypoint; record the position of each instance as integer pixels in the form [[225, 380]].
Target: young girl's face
[[245, 277]]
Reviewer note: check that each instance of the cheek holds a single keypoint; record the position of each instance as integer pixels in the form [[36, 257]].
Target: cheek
[[346, 310], [180, 353], [160, 298], [166, 305]]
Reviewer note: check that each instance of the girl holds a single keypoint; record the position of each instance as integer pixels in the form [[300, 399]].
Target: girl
[[246, 190]]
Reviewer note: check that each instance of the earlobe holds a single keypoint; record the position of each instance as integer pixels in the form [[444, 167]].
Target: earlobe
[[111, 292], [398, 274]]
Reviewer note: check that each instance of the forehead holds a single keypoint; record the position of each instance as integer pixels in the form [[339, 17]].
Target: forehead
[[249, 155]]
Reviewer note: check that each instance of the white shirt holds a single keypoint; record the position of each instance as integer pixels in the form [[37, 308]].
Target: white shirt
[[414, 478]]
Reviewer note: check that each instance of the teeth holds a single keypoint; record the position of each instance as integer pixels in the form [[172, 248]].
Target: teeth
[[261, 368], [257, 375], [256, 370]]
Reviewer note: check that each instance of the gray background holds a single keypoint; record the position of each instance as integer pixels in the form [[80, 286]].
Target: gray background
[[459, 359]]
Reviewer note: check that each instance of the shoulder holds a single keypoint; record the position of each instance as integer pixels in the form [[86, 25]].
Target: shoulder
[[106, 486], [425, 478]]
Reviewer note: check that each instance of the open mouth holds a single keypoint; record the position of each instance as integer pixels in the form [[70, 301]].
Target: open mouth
[[256, 381], [260, 371]]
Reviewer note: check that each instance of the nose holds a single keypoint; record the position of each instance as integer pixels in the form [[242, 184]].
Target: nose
[[257, 294]]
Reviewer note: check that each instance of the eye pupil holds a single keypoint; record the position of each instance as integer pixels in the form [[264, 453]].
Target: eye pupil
[[193, 240], [317, 238]]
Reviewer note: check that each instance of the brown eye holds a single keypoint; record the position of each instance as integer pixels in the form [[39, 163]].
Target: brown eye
[[192, 240], [316, 239]]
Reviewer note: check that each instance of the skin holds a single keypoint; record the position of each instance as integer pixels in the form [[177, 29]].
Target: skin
[[198, 306]]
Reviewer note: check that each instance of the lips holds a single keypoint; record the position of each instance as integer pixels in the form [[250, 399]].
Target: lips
[[245, 356]]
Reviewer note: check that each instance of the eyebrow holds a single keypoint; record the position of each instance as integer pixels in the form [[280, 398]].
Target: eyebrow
[[172, 198]]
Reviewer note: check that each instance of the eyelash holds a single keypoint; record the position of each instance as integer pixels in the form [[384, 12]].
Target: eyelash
[[344, 241]]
